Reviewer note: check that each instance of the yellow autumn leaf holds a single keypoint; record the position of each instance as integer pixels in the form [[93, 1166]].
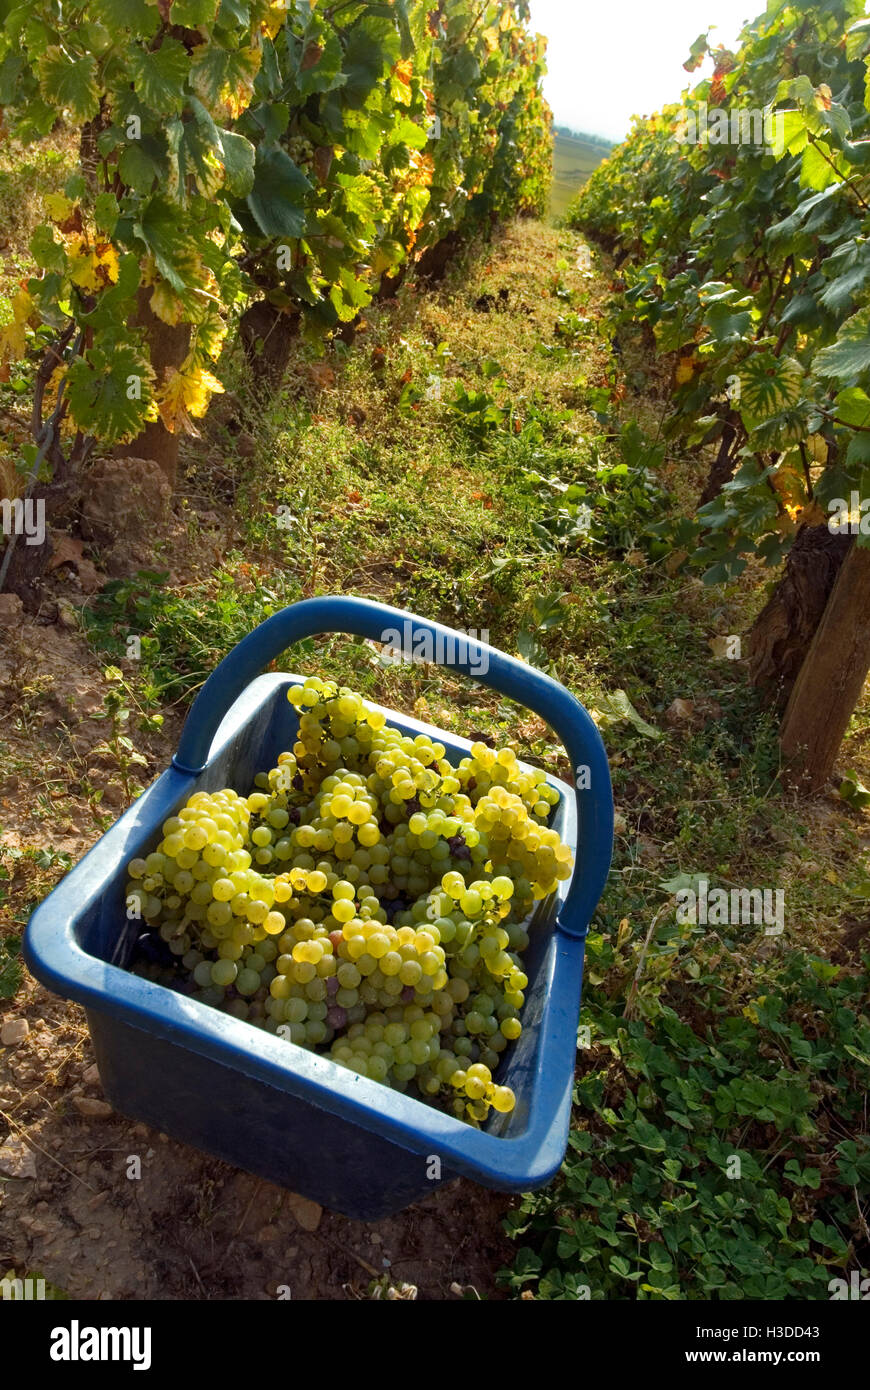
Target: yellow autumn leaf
[[58, 207], [165, 304], [275, 19], [13, 342], [789, 484], [236, 96], [55, 382], [402, 74], [13, 338], [185, 397], [685, 371], [91, 267], [148, 273], [82, 271], [106, 258], [813, 515], [210, 335]]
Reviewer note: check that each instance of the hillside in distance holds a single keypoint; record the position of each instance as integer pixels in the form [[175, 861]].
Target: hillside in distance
[[574, 159]]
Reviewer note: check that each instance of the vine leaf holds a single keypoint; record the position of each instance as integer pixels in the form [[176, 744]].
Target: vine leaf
[[137, 16], [159, 78], [768, 385], [72, 82], [172, 245], [13, 337], [110, 393], [848, 358], [277, 199], [185, 396], [193, 14], [223, 79]]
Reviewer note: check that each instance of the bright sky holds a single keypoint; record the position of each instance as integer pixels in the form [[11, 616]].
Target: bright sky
[[610, 61]]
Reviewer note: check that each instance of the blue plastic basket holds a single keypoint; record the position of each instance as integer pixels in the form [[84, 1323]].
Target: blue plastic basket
[[259, 1101]]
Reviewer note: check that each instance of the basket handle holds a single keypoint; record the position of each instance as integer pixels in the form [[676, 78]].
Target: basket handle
[[513, 678]]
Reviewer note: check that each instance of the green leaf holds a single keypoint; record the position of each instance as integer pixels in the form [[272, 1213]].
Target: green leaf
[[768, 385], [48, 253], [10, 71], [238, 158], [857, 36], [99, 387], [616, 708], [159, 78], [366, 60], [789, 133], [166, 232], [319, 65], [191, 14], [782, 231], [140, 167], [238, 11], [848, 358], [71, 82], [407, 132], [530, 649], [697, 53], [848, 270], [852, 406], [140, 18], [647, 1136], [76, 187], [106, 212], [853, 791], [858, 452], [726, 324], [817, 172], [278, 197], [357, 293], [273, 119], [193, 155]]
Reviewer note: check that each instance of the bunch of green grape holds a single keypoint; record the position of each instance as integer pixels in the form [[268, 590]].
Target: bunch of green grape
[[300, 150], [367, 899]]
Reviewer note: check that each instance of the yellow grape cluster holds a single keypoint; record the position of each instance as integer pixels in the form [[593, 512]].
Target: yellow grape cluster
[[487, 768], [367, 897], [515, 839]]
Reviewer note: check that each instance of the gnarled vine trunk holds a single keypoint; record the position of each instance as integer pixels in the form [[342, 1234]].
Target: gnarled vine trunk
[[830, 680], [722, 467], [433, 263], [784, 630], [268, 335]]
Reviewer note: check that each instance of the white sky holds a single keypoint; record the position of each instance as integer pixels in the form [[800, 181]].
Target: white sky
[[612, 59]]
